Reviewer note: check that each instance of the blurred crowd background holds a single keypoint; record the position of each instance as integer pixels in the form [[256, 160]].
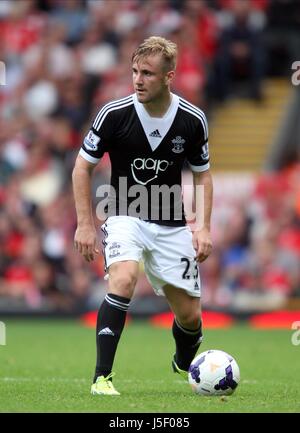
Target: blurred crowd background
[[64, 59]]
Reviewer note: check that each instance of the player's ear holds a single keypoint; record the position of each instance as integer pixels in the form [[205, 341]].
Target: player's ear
[[169, 77]]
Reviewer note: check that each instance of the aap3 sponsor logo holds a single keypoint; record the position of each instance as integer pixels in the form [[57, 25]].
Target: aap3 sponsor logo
[[144, 170]]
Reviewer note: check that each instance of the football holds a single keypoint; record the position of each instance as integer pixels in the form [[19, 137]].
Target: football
[[214, 372]]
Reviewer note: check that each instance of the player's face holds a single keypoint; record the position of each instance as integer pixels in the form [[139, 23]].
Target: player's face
[[150, 79]]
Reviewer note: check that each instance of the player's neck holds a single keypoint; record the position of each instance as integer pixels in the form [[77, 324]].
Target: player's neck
[[159, 107]]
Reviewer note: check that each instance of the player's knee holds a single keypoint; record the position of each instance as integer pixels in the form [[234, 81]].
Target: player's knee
[[123, 285], [190, 320]]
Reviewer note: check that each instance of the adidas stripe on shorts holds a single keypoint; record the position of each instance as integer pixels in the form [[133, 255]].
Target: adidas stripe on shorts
[[167, 252]]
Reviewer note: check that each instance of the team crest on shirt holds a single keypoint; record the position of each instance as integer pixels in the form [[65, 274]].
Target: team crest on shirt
[[178, 143], [91, 141]]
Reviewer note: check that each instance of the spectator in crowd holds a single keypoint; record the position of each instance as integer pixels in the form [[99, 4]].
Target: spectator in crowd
[[241, 53]]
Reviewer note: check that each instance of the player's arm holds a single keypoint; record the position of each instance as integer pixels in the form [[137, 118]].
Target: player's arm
[[91, 152], [85, 239], [198, 158], [203, 193]]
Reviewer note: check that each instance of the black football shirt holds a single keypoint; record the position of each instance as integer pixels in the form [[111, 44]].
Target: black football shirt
[[147, 156]]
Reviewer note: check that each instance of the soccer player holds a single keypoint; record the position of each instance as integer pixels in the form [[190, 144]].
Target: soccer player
[[148, 136]]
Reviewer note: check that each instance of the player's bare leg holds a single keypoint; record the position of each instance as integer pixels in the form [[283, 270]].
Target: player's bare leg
[[187, 327], [122, 278]]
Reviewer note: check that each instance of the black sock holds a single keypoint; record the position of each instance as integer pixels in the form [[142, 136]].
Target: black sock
[[110, 324], [187, 343]]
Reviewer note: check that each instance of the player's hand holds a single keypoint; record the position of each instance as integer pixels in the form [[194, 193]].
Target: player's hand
[[202, 244], [85, 242]]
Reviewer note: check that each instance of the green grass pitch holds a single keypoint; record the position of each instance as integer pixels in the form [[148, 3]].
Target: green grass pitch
[[47, 366]]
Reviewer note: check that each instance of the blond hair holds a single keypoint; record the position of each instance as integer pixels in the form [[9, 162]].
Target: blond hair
[[157, 45]]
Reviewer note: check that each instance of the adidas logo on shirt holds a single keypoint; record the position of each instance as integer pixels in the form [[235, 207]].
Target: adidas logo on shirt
[[106, 331], [155, 134]]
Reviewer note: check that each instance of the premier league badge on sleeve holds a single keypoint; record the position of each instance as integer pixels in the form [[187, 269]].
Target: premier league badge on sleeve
[[91, 141]]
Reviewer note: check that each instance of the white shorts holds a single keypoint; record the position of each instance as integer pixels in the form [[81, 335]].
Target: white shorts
[[167, 252]]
